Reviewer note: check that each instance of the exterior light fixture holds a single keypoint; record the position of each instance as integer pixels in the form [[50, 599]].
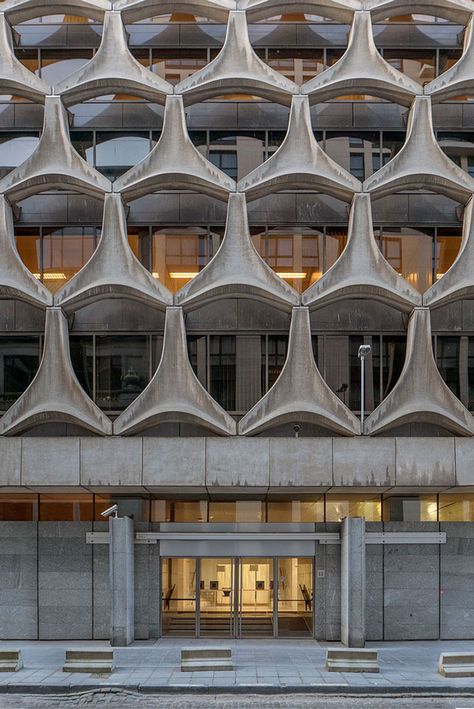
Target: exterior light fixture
[[364, 351]]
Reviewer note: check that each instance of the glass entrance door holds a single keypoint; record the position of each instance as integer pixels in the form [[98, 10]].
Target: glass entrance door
[[178, 583], [216, 596], [255, 607], [295, 596]]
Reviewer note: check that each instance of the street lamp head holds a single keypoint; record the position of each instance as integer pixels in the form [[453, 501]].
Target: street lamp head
[[364, 351]]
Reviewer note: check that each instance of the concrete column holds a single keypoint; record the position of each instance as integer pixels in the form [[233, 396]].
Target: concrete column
[[353, 581], [122, 581]]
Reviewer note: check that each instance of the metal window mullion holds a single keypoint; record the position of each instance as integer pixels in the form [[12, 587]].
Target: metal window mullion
[[94, 370]]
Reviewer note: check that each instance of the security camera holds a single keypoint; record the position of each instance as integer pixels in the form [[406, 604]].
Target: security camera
[[110, 511]]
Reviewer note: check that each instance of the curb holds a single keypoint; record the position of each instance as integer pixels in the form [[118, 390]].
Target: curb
[[338, 690]]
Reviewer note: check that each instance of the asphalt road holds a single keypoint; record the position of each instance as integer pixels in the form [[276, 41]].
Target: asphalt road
[[125, 699]]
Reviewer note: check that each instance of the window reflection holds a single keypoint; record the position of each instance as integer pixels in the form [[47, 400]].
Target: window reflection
[[393, 360], [416, 508], [123, 369], [238, 153], [410, 253], [298, 65], [456, 507], [222, 362], [82, 358], [58, 64], [460, 148], [296, 510], [175, 65], [358, 153], [419, 65], [72, 508], [28, 243], [18, 507], [116, 152], [237, 511], [15, 148], [179, 510], [19, 361], [296, 254], [274, 349]]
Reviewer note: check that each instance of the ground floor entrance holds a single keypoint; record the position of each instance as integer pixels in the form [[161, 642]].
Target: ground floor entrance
[[237, 597]]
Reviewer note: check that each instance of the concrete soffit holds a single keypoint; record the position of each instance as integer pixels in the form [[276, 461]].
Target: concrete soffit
[[300, 163], [135, 10], [54, 164], [335, 9], [458, 281], [55, 394], [454, 10], [237, 69], [237, 268], [420, 395], [362, 69], [16, 281], [361, 271], [174, 163], [459, 80], [14, 77], [300, 393], [113, 270], [22, 10], [113, 69], [174, 392], [435, 172]]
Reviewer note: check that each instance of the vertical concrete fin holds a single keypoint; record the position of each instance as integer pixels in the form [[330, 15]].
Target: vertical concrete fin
[[54, 164], [420, 395], [353, 575], [455, 10], [300, 163], [237, 69], [237, 268], [113, 69], [458, 282], [361, 271], [55, 394], [16, 281], [174, 163], [174, 392], [343, 11], [458, 80], [113, 270], [15, 78], [122, 581], [435, 172], [136, 10], [300, 393], [362, 69]]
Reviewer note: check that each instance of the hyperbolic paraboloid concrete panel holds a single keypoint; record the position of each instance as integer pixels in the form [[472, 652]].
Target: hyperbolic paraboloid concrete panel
[[55, 394], [458, 282], [112, 70], [459, 80], [454, 10], [174, 392], [54, 164], [14, 77], [300, 163], [136, 10], [237, 69], [420, 393], [16, 281], [300, 393], [361, 271], [362, 69], [22, 10], [335, 9], [237, 268], [174, 163], [113, 271], [421, 164]]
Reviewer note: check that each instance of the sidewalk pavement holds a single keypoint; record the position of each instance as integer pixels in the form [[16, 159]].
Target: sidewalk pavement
[[260, 666]]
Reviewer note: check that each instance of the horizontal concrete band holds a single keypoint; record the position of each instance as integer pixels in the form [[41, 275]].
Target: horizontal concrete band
[[239, 465]]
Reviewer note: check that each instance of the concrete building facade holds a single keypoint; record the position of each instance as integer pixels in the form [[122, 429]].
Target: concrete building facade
[[236, 302]]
